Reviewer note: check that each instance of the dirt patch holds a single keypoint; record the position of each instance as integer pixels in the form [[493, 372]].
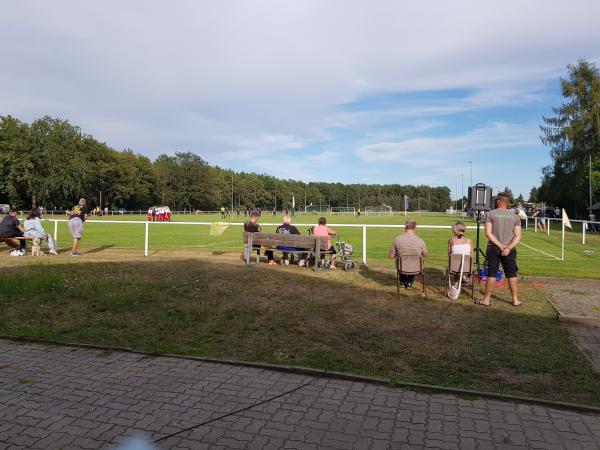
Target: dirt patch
[[509, 376]]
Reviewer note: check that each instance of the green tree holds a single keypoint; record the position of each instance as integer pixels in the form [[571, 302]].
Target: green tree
[[573, 134]]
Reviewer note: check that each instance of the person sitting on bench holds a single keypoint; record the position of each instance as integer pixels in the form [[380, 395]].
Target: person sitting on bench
[[35, 229], [322, 230], [287, 228], [11, 228], [252, 226]]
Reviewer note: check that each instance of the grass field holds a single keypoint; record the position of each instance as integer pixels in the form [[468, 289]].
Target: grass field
[[538, 253], [198, 303], [193, 295]]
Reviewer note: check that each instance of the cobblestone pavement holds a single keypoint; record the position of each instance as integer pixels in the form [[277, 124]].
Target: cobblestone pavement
[[575, 298], [64, 397], [578, 303]]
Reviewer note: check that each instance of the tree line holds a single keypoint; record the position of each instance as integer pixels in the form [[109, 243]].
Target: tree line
[[52, 163], [572, 180]]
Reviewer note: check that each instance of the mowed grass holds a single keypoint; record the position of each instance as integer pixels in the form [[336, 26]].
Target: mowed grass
[[539, 254], [206, 304]]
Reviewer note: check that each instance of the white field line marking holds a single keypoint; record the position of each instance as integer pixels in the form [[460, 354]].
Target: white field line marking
[[543, 253]]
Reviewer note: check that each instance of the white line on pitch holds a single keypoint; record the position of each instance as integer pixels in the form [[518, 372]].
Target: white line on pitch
[[543, 253]]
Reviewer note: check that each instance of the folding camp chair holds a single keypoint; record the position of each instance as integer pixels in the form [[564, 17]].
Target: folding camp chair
[[410, 265], [453, 270]]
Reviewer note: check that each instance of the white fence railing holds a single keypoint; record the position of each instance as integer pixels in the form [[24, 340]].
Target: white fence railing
[[147, 224], [585, 225]]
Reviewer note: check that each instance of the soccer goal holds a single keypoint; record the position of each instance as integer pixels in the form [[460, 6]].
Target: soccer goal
[[317, 209], [343, 210], [383, 210]]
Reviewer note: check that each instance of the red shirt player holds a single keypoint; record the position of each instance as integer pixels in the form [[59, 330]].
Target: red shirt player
[[168, 213]]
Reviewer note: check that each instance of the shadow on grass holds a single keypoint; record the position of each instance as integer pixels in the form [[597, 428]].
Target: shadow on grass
[[98, 249], [342, 321]]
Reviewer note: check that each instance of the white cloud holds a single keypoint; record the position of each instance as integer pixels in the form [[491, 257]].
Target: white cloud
[[435, 151], [239, 81]]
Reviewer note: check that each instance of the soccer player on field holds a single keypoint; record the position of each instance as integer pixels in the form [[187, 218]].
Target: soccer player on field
[[150, 214]]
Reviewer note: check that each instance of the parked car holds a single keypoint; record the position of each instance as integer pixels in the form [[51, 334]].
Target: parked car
[[4, 208]]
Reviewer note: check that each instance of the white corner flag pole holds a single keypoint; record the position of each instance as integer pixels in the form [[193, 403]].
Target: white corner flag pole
[[565, 223], [562, 257]]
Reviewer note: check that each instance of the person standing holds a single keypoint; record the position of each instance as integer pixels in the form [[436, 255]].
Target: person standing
[[408, 244], [77, 217], [593, 226], [11, 228], [150, 214], [503, 231]]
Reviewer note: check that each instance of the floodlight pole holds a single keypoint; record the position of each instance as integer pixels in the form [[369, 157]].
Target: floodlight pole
[[471, 166], [462, 192], [590, 181]]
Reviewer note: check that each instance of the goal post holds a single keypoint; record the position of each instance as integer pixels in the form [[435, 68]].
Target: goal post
[[343, 210], [317, 209], [382, 210]]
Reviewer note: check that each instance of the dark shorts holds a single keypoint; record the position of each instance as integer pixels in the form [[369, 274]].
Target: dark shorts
[[494, 257]]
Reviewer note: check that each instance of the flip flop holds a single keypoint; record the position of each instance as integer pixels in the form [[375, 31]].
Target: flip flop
[[480, 303]]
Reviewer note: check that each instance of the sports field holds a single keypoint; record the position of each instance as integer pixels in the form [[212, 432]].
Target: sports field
[[539, 254], [193, 295]]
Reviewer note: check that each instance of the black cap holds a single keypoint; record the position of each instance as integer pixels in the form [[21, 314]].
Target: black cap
[[12, 209]]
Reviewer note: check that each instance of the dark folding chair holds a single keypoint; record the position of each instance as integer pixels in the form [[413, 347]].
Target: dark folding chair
[[410, 265], [453, 270]]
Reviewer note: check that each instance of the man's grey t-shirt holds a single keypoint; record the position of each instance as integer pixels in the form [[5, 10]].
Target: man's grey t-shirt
[[503, 223]]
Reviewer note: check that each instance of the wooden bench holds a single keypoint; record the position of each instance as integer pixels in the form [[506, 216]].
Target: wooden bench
[[35, 242], [309, 245]]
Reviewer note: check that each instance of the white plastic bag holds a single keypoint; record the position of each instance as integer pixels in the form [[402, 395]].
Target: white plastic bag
[[454, 292]]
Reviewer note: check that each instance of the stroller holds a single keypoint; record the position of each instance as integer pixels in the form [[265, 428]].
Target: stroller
[[344, 252]]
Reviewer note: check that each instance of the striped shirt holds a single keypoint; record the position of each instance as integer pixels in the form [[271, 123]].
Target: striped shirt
[[408, 244]]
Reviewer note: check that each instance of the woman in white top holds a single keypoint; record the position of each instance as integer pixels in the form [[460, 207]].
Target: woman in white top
[[459, 244]]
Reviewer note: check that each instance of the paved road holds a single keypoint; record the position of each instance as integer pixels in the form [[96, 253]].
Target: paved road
[[64, 397]]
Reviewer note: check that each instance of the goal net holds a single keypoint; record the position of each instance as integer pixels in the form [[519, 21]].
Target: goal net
[[378, 210], [343, 210], [317, 209]]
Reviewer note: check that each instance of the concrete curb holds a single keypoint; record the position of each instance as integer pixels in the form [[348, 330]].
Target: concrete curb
[[319, 373]]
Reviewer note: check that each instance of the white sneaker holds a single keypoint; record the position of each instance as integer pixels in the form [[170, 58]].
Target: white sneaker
[[53, 252], [301, 263], [287, 262], [17, 253]]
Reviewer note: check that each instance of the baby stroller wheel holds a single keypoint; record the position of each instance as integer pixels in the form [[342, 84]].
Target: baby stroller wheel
[[349, 265]]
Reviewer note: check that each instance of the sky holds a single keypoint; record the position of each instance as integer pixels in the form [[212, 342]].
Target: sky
[[401, 92]]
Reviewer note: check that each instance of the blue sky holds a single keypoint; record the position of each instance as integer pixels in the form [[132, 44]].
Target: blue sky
[[350, 91]]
